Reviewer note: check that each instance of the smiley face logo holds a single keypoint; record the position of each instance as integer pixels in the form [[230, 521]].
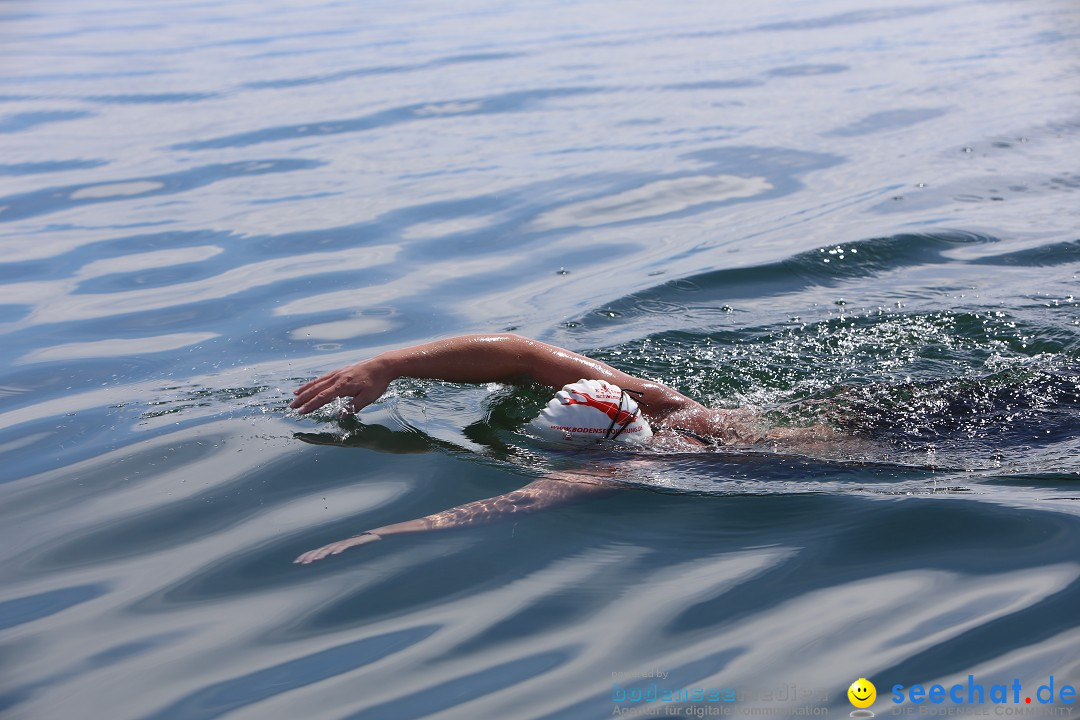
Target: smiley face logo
[[862, 693]]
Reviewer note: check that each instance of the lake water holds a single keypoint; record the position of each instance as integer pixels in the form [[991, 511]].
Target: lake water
[[790, 205]]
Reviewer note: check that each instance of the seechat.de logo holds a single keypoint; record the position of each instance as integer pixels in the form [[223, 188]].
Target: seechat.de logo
[[862, 694]]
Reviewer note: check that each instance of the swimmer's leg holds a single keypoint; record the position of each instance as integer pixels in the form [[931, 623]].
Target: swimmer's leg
[[541, 494]]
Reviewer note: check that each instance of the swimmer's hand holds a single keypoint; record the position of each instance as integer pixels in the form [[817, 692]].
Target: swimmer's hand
[[336, 548], [365, 381]]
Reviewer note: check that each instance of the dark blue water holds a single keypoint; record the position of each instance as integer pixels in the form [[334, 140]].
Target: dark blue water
[[860, 214]]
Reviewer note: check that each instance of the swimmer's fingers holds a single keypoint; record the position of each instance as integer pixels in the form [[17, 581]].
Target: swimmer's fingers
[[323, 390], [336, 548], [311, 383], [306, 392], [316, 397], [363, 381]]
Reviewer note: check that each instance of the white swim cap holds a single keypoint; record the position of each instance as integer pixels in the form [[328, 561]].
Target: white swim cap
[[589, 411]]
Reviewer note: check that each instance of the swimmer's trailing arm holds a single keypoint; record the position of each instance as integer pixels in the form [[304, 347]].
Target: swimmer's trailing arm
[[480, 359], [538, 495]]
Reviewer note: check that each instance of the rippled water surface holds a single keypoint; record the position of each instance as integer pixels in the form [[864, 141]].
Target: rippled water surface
[[859, 213]]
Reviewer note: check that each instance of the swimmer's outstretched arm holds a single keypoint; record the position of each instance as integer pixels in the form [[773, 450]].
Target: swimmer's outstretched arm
[[480, 359], [538, 495]]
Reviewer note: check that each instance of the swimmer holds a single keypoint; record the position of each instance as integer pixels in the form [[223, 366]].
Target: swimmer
[[594, 402]]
